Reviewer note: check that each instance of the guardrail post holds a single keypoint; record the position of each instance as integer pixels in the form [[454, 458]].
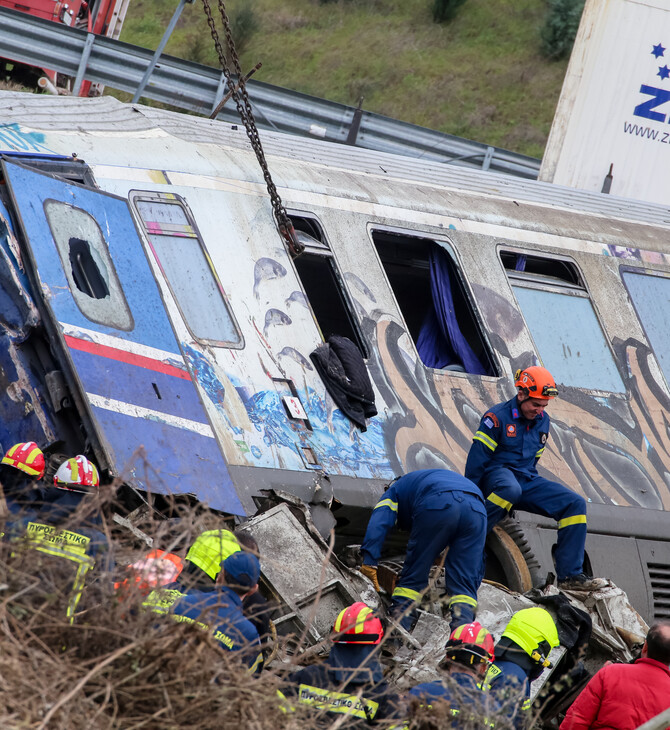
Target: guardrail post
[[355, 124], [85, 54], [159, 50]]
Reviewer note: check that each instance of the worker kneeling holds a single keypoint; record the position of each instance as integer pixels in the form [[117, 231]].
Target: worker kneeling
[[469, 652], [440, 509], [502, 461], [521, 656], [217, 612], [350, 682]]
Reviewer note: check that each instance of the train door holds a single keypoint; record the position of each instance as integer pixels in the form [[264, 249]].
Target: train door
[[107, 321]]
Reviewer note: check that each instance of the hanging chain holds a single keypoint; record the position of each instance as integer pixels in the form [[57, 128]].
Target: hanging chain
[[241, 98]]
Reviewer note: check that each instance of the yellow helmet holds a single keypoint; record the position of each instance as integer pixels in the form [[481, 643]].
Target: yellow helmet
[[210, 549], [530, 627]]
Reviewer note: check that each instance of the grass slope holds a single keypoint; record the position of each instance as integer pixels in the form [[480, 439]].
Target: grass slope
[[480, 77]]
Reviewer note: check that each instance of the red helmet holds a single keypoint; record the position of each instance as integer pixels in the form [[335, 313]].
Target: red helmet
[[357, 625], [77, 472], [27, 457], [536, 381], [471, 644]]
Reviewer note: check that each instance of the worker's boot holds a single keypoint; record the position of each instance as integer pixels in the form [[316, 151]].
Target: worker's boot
[[582, 582]]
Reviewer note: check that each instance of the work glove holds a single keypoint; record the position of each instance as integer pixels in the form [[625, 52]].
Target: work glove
[[370, 571]]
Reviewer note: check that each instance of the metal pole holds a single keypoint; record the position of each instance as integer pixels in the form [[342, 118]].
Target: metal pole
[[82, 64], [159, 50]]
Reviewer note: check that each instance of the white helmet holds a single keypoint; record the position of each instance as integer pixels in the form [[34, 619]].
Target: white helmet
[[77, 472]]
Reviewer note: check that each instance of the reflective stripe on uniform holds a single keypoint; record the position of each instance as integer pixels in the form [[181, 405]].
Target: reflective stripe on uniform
[[574, 520], [406, 593], [337, 702], [539, 453], [486, 440], [64, 544], [387, 503], [463, 599], [493, 497], [161, 600]]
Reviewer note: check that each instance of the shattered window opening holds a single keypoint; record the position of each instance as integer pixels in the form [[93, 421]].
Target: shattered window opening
[[417, 269], [322, 283], [88, 266], [85, 271], [563, 324], [187, 267]]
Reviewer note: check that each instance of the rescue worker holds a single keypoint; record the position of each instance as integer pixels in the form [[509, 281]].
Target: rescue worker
[[520, 657], [503, 462], [440, 509], [202, 566], [21, 470], [218, 611], [47, 533], [469, 652], [350, 682]]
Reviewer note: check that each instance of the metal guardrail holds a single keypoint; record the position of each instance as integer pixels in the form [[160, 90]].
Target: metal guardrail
[[197, 88]]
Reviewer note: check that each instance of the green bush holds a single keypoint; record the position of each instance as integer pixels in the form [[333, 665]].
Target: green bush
[[560, 27], [243, 24], [445, 10]]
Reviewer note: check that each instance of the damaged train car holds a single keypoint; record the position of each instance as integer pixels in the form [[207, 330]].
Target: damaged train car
[[153, 318]]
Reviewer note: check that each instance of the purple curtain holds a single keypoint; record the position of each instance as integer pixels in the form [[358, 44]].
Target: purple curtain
[[441, 342]]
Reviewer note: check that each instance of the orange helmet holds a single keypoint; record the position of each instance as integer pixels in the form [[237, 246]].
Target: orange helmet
[[536, 381], [471, 644], [357, 625], [156, 569], [27, 457], [77, 472]]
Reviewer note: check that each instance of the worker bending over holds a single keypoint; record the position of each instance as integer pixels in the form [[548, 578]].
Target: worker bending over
[[502, 460], [440, 509]]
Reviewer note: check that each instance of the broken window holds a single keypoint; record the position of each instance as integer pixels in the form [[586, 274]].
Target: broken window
[[322, 283], [89, 269], [187, 267], [435, 303], [650, 294], [562, 321]]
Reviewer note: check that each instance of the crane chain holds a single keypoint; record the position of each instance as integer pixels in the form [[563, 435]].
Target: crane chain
[[240, 96]]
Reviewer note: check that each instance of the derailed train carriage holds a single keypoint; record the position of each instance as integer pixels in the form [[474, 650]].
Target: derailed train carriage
[[148, 300]]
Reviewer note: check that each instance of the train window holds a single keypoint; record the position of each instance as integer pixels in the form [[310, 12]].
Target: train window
[[650, 295], [89, 269], [563, 323], [435, 303], [322, 283], [526, 267], [186, 265]]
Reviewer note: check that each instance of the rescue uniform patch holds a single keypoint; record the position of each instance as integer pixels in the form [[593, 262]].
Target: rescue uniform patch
[[511, 429], [488, 422], [491, 420], [543, 438]]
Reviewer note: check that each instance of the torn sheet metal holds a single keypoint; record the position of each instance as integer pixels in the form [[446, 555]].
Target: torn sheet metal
[[306, 579]]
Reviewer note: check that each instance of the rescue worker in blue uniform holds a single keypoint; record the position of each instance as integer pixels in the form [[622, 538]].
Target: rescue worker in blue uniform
[[350, 682], [47, 529], [503, 461], [469, 652], [520, 658], [218, 612], [440, 509]]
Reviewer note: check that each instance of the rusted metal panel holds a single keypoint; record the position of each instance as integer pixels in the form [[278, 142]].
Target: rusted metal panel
[[613, 112]]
